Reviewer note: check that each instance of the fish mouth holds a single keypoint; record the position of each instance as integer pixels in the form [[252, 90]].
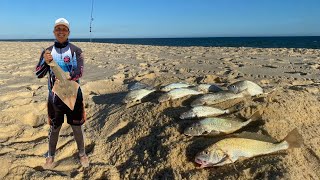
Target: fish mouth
[[203, 164], [200, 162]]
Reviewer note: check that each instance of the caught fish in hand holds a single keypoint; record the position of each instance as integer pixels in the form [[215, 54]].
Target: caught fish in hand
[[64, 88], [230, 150]]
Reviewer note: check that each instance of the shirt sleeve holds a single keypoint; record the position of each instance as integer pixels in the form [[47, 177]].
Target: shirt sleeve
[[42, 67], [78, 70]]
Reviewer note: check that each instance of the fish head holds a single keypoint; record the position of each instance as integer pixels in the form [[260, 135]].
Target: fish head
[[164, 97], [197, 102], [187, 115], [212, 157], [234, 88], [128, 99], [195, 130], [132, 103]]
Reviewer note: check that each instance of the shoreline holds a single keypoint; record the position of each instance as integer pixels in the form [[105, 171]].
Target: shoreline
[[297, 42]]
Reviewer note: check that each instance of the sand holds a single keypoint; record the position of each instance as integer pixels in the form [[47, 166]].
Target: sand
[[145, 141]]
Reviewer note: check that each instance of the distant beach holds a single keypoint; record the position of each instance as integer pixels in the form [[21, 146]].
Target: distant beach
[[145, 141]]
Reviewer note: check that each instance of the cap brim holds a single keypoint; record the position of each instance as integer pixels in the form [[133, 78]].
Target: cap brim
[[64, 24]]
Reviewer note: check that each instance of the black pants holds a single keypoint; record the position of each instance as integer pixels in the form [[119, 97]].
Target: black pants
[[56, 111]]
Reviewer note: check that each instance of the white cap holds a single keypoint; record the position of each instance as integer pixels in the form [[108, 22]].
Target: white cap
[[62, 21]]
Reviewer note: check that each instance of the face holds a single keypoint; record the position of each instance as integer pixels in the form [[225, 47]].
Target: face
[[61, 33]]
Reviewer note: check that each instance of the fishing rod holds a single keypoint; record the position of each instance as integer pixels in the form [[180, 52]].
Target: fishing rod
[[91, 19]]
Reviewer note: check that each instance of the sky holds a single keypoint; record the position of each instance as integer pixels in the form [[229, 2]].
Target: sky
[[34, 19]]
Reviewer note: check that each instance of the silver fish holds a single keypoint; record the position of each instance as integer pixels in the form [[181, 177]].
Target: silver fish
[[66, 90], [229, 150], [135, 96], [215, 98], [206, 111], [251, 87], [177, 93], [216, 126], [172, 86]]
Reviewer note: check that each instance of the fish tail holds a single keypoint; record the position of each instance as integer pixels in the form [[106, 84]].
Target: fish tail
[[271, 91], [294, 139], [256, 116]]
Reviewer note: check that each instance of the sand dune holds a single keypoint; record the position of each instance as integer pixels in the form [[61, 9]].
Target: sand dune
[[145, 141]]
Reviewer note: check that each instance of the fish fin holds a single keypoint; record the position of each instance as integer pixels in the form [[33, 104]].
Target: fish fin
[[255, 116], [212, 133], [254, 136], [232, 162], [294, 139]]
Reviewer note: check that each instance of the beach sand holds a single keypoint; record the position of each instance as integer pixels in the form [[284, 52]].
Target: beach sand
[[145, 141]]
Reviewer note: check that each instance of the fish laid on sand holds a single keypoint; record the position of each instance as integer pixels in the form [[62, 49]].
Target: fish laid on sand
[[207, 111], [229, 150], [209, 88], [216, 126], [135, 96], [215, 98], [178, 93], [172, 86], [65, 89], [252, 88]]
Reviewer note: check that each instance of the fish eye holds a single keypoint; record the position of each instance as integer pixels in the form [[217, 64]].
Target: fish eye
[[191, 128], [206, 152]]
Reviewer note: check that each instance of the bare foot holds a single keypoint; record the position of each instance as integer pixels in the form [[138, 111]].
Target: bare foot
[[84, 160], [49, 163]]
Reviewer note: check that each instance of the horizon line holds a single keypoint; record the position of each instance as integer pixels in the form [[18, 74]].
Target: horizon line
[[165, 37]]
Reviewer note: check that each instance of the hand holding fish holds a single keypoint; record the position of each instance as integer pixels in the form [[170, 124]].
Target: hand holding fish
[[47, 56], [67, 75]]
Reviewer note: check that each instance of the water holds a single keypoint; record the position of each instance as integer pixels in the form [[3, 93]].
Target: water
[[310, 42]]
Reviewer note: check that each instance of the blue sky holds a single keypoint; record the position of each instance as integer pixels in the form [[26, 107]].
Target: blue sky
[[161, 18]]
